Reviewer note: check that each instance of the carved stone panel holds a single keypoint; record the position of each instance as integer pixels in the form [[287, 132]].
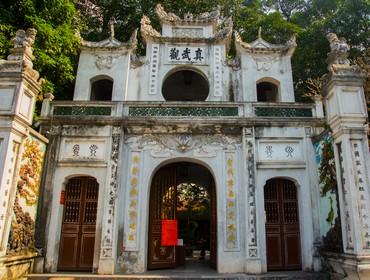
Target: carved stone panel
[[7, 96], [362, 188], [133, 188], [345, 197], [166, 145], [252, 207], [5, 190], [183, 54], [153, 74], [232, 238], [189, 32], [105, 61], [110, 198], [217, 78], [83, 149], [279, 151]]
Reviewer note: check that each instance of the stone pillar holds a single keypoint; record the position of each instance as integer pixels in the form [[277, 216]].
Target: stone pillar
[[346, 116], [253, 263], [108, 250], [19, 86]]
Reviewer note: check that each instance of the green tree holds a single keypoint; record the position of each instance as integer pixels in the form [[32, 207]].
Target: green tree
[[347, 18], [57, 22], [56, 45]]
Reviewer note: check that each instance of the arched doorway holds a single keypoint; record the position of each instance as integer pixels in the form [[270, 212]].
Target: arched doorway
[[76, 249], [185, 85], [283, 243], [184, 192]]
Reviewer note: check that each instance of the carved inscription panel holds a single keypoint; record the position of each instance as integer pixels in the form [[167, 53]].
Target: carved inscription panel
[[185, 54], [82, 149], [272, 150]]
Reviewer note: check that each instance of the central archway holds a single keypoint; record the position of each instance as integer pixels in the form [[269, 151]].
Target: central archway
[[185, 192], [185, 85]]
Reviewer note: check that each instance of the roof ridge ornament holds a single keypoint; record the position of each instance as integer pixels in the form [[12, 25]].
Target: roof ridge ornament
[[163, 15], [112, 42], [259, 32], [171, 18], [24, 39], [111, 28], [147, 30]]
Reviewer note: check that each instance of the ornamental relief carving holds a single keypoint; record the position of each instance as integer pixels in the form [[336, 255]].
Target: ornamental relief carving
[[264, 63], [166, 145], [105, 61]]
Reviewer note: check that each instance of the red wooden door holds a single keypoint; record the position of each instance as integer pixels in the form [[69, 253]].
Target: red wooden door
[[162, 205], [282, 225], [76, 250]]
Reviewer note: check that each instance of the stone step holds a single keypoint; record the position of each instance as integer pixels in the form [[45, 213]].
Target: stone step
[[290, 275]]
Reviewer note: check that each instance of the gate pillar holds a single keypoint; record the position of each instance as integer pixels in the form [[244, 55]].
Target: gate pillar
[[346, 115], [108, 251], [253, 262]]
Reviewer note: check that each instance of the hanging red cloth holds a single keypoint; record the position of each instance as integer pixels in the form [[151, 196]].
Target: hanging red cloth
[[169, 233]]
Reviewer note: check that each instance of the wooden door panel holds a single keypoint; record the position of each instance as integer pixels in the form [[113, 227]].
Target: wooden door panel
[[76, 250], [162, 205], [292, 252], [282, 225], [87, 250], [68, 256], [273, 246]]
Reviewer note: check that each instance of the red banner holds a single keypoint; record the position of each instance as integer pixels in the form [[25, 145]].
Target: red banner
[[169, 233]]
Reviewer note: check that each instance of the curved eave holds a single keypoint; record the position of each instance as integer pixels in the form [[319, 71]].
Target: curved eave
[[87, 45], [241, 46], [282, 51]]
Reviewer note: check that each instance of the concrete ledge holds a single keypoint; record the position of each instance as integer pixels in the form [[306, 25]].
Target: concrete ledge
[[345, 266]]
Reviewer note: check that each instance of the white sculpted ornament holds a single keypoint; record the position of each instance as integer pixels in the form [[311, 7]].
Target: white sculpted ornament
[[338, 50]]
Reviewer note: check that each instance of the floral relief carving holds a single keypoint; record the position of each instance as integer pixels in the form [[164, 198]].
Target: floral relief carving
[[105, 62], [165, 145], [22, 234], [264, 63], [30, 172]]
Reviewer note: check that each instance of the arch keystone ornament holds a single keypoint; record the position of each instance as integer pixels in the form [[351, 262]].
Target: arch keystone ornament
[[346, 114]]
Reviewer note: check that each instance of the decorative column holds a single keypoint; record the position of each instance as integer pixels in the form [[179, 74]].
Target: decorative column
[[253, 261], [346, 115], [19, 86], [108, 250]]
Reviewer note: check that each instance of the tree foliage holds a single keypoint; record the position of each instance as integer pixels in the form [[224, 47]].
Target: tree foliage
[[58, 22], [56, 45]]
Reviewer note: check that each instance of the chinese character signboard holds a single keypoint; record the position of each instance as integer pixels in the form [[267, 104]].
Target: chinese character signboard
[[169, 233], [186, 54]]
